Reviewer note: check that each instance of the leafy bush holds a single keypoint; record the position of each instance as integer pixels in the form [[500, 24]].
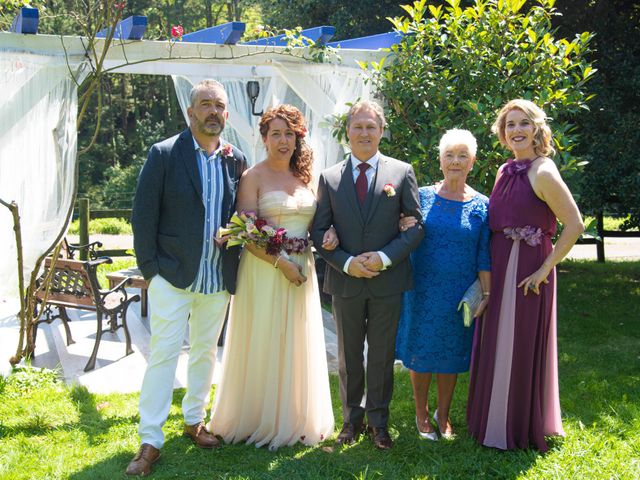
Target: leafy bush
[[104, 226], [25, 379], [457, 67]]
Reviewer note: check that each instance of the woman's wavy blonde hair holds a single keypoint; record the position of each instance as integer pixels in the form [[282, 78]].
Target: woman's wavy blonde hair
[[301, 163], [542, 138]]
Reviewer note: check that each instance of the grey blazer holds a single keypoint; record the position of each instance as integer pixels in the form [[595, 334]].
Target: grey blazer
[[373, 227], [168, 212]]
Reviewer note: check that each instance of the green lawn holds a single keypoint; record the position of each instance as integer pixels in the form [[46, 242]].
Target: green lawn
[[50, 431]]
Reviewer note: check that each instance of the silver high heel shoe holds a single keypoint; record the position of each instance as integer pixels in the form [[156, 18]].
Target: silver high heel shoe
[[433, 436], [446, 436]]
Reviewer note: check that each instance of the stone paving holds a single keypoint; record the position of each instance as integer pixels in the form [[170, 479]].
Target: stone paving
[[114, 372]]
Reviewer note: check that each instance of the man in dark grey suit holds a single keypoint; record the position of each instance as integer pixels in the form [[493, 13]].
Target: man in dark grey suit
[[363, 197], [186, 191]]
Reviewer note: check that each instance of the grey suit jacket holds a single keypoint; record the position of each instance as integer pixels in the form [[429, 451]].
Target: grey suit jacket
[[168, 212], [373, 227]]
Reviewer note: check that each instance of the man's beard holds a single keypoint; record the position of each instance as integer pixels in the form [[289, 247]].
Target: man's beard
[[212, 130]]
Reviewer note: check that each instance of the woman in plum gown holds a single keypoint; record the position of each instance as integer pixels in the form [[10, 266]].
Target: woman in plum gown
[[274, 388], [513, 393]]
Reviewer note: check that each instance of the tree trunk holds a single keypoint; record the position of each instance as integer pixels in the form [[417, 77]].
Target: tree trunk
[[208, 13]]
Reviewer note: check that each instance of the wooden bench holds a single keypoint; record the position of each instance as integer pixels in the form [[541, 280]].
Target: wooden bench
[[136, 280], [69, 250], [74, 284]]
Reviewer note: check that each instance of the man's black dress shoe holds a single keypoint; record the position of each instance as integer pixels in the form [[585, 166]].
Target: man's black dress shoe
[[349, 433], [381, 438]]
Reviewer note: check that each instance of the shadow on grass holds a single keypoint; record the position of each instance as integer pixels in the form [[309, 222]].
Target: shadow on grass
[[410, 457]]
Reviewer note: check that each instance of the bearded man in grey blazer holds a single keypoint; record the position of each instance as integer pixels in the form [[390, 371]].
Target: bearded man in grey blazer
[[363, 197], [186, 191]]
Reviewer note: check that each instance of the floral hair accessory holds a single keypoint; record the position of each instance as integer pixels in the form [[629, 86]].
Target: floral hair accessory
[[531, 235], [303, 132], [389, 189], [227, 150], [246, 227]]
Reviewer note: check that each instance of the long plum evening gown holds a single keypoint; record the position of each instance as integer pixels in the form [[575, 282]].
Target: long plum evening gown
[[513, 393]]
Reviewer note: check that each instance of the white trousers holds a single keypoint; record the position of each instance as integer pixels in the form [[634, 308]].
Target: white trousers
[[171, 307]]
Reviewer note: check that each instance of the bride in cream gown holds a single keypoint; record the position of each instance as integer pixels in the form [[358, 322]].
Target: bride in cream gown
[[274, 388]]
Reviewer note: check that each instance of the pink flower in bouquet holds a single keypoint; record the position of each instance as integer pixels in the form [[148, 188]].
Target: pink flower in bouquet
[[389, 189], [227, 150], [245, 214], [246, 227]]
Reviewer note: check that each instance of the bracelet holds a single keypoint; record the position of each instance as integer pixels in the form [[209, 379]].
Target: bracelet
[[486, 294], [282, 255]]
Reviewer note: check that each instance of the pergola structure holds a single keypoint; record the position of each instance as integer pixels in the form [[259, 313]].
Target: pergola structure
[[38, 87]]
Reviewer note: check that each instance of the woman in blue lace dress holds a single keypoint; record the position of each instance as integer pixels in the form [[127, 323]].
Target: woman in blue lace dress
[[432, 337]]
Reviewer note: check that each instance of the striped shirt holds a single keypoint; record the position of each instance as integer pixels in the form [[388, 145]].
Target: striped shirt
[[209, 277]]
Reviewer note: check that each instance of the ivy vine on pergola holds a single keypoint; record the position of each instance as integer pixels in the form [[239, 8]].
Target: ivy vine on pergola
[[40, 75]]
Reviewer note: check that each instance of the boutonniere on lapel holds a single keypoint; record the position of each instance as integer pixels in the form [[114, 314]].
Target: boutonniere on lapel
[[227, 150], [389, 189]]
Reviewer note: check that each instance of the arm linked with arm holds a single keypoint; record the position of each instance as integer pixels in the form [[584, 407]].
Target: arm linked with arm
[[322, 221], [408, 240]]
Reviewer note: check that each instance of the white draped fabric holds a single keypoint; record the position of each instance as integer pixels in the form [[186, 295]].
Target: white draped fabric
[[38, 108], [319, 91], [38, 103]]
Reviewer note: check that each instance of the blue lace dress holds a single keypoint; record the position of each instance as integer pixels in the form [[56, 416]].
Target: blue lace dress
[[431, 334]]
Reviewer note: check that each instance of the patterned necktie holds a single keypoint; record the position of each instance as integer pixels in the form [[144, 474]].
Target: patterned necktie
[[361, 183]]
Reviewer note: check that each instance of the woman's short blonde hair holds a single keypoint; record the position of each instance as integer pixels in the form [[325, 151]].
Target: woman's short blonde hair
[[542, 139], [456, 136]]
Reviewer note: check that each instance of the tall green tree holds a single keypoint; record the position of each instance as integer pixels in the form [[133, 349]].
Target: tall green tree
[[457, 66], [611, 138], [352, 18]]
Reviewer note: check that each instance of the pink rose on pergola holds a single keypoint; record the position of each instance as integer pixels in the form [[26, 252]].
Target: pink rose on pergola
[[177, 31]]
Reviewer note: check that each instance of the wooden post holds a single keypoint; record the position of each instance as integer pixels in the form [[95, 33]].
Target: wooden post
[[83, 218], [600, 240]]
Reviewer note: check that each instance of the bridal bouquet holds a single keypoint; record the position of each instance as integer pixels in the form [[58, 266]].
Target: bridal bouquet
[[246, 227]]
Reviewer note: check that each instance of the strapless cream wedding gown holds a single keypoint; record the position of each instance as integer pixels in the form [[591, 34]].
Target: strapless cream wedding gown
[[274, 388]]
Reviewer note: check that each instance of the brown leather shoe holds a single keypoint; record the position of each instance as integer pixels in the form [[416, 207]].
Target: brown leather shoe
[[141, 463], [202, 437], [381, 438], [349, 433]]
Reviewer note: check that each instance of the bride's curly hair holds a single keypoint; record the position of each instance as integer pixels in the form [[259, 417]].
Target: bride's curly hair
[[301, 162]]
